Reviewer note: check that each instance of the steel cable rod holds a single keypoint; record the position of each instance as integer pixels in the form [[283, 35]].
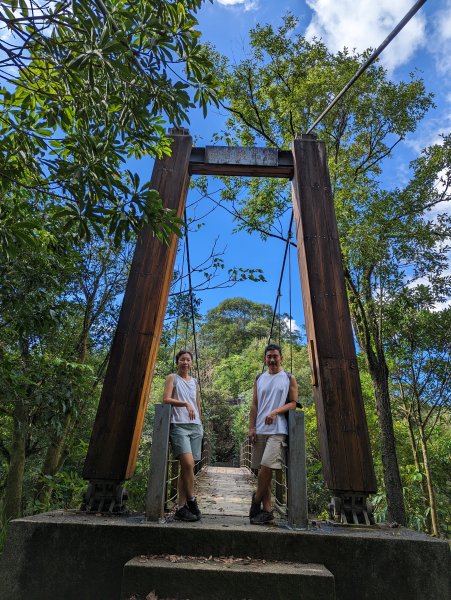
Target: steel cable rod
[[178, 311], [290, 306], [415, 8], [281, 276], [188, 264]]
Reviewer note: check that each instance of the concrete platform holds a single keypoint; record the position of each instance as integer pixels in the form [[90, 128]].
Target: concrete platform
[[74, 556], [226, 579]]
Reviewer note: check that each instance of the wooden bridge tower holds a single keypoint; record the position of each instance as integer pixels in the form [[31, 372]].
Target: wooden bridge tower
[[344, 442]]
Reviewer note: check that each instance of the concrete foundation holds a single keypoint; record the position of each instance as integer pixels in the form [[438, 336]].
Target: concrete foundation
[[226, 580], [74, 556]]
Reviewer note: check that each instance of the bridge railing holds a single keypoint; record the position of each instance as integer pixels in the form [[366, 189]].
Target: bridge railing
[[164, 469], [173, 472], [289, 483]]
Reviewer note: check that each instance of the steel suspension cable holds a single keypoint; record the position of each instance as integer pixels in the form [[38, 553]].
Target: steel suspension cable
[[289, 304], [415, 8], [188, 264], [287, 245], [178, 311]]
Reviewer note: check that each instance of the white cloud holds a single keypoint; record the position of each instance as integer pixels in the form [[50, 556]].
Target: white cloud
[[366, 24], [247, 5], [294, 326], [438, 306], [440, 41]]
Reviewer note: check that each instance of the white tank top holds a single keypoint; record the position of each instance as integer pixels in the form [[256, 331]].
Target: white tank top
[[272, 392], [186, 391]]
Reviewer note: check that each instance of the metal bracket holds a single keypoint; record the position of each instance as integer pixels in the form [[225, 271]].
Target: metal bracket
[[105, 496], [351, 509]]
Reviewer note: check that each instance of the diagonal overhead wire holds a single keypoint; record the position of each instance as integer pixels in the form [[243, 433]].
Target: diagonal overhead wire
[[415, 8]]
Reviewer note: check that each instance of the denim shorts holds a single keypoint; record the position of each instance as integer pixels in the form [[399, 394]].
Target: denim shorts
[[186, 438]]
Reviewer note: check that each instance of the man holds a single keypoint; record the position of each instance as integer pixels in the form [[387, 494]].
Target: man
[[275, 393]]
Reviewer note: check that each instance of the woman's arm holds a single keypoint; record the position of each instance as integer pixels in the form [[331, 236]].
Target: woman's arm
[[167, 396]]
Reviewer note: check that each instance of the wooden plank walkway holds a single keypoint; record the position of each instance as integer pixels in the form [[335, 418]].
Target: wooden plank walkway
[[225, 491]]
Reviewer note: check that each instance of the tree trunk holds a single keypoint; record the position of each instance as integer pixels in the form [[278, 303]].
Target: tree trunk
[[367, 327], [14, 480], [392, 479], [427, 470], [414, 448], [57, 445], [423, 484], [53, 461]]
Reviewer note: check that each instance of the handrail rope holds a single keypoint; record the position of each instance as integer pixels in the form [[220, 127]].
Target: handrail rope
[[188, 264], [178, 312], [415, 8]]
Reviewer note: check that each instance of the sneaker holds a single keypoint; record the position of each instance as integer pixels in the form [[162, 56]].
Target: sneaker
[[262, 518], [255, 507], [193, 508], [183, 513]]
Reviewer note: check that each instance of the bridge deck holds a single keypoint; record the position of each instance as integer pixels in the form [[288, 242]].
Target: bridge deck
[[225, 491]]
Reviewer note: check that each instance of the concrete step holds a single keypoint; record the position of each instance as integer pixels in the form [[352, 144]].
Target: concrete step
[[225, 578]]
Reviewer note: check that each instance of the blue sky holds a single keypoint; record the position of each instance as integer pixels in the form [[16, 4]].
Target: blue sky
[[424, 44]]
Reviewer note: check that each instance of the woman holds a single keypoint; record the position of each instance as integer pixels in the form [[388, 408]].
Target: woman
[[186, 432]]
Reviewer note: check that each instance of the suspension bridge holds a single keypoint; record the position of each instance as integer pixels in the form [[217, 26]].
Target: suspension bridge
[[103, 552]]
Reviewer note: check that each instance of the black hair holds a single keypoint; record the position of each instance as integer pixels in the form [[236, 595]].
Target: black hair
[[273, 347], [179, 354]]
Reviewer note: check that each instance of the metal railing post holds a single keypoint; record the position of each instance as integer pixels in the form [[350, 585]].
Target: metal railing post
[[297, 472], [156, 489]]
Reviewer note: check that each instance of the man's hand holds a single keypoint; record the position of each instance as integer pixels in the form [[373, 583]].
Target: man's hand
[[271, 418], [252, 435], [190, 409]]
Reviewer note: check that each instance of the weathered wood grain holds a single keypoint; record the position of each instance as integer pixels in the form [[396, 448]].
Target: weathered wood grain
[[343, 433], [156, 488], [297, 471], [118, 425]]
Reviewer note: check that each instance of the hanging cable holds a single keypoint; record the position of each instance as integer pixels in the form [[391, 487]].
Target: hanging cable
[[415, 8], [188, 264], [178, 310], [281, 276], [289, 305]]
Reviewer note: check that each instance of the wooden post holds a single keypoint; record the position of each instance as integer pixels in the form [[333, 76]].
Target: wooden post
[[113, 448], [342, 428], [297, 472], [156, 489]]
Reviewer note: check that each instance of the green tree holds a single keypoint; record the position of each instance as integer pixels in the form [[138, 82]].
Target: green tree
[[419, 347], [92, 295], [88, 85], [277, 92], [233, 324], [30, 308]]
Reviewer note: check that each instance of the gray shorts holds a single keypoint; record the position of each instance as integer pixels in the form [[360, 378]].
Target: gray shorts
[[269, 451], [186, 438]]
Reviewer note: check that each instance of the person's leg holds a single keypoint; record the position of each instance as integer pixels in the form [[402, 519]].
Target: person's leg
[[263, 493], [272, 458], [186, 476]]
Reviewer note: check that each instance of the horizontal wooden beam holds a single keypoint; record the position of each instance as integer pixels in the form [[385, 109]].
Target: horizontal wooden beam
[[242, 162]]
